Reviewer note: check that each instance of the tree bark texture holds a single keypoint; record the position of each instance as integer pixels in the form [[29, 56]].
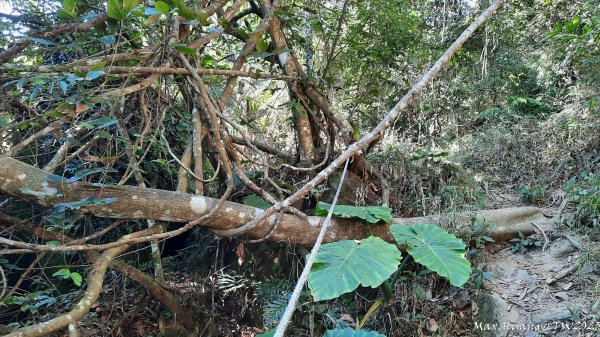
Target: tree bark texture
[[27, 182]]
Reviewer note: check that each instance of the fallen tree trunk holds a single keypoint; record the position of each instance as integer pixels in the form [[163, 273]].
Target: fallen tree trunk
[[131, 202]]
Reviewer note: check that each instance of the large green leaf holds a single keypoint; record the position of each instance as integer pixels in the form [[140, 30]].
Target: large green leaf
[[351, 333], [436, 249], [340, 267], [372, 214], [114, 9]]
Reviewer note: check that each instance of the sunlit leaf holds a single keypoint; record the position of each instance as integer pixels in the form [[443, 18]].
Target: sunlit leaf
[[76, 277], [340, 267], [436, 249], [114, 9], [186, 50], [128, 5], [92, 75], [186, 12], [162, 7], [371, 214], [62, 273]]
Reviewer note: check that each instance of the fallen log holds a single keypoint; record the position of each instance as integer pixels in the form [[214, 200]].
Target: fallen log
[[26, 182]]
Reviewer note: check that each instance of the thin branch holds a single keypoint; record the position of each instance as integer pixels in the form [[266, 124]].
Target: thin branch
[[248, 48], [95, 281], [206, 38], [338, 30], [22, 145]]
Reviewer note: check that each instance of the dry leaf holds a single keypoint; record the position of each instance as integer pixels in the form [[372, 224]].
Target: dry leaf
[[432, 325], [241, 253]]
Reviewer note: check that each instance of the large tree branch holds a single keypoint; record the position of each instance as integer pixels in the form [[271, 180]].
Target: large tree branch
[[27, 182]]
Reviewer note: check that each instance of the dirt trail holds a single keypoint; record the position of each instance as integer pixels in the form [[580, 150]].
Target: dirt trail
[[551, 290]]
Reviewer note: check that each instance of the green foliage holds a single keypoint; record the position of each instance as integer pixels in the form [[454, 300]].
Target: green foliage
[[421, 154], [371, 214], [522, 244], [340, 267], [534, 193], [585, 191], [118, 9], [69, 10], [436, 249], [30, 302], [348, 332], [479, 275], [65, 274], [525, 105], [273, 311], [478, 233]]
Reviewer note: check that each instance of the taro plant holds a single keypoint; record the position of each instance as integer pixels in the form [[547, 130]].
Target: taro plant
[[341, 267], [479, 275]]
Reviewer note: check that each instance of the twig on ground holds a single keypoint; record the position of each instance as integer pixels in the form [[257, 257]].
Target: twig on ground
[[543, 234]]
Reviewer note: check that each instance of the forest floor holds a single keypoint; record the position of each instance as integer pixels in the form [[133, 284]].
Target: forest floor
[[543, 285]]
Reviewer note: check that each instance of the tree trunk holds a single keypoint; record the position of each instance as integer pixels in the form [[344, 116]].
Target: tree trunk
[[27, 182]]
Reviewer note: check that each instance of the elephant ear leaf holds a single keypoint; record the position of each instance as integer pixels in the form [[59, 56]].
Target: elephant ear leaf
[[342, 266], [371, 214], [347, 332], [436, 249]]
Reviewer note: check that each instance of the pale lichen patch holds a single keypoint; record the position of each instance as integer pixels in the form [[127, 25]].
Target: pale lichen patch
[[138, 213], [22, 176], [134, 197], [314, 221], [198, 204], [242, 215], [228, 209]]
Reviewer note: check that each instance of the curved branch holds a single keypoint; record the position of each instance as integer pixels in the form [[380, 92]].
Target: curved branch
[[95, 282]]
